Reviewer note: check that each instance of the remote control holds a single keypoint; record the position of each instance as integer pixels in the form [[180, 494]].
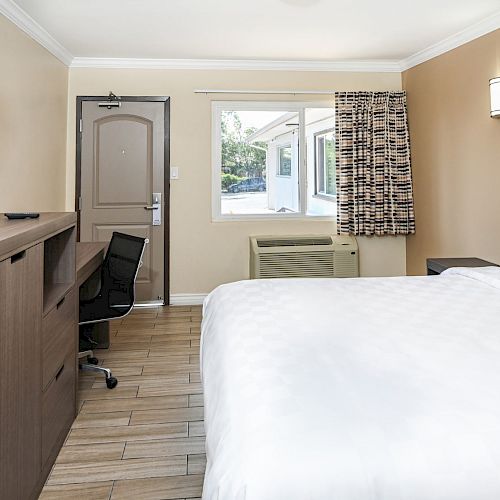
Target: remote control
[[22, 215]]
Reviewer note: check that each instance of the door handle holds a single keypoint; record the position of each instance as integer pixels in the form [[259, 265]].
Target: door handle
[[155, 209], [18, 256]]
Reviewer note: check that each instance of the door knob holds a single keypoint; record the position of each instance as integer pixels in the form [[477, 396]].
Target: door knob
[[151, 207]]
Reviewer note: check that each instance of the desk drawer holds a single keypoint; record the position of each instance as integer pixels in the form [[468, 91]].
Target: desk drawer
[[58, 408], [59, 335]]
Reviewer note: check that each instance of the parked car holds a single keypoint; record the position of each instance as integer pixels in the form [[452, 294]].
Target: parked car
[[246, 185]]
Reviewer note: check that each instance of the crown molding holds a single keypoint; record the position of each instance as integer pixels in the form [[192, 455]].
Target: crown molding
[[236, 64], [481, 28], [25, 22]]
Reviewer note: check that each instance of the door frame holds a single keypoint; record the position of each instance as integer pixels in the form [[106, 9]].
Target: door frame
[[166, 169]]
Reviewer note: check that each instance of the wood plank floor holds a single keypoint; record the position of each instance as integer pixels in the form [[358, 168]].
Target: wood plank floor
[[143, 440]]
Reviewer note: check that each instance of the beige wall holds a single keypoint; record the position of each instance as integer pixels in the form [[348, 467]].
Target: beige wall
[[205, 254], [455, 149], [456, 154], [33, 112]]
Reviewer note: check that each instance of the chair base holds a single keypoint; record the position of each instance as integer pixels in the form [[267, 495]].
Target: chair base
[[91, 366]]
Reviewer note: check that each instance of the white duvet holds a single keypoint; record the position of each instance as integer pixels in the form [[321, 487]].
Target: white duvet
[[354, 389]]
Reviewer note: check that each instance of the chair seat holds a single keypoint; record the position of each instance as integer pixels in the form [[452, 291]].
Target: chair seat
[[99, 309]]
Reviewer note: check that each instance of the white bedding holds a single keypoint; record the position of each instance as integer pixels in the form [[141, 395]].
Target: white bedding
[[354, 389]]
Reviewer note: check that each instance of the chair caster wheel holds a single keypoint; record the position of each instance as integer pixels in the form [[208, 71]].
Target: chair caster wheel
[[93, 361], [111, 382]]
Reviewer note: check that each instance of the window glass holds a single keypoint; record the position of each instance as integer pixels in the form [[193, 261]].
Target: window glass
[[285, 161], [273, 158], [258, 173]]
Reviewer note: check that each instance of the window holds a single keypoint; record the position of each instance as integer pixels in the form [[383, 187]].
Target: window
[[262, 165], [324, 163], [285, 161]]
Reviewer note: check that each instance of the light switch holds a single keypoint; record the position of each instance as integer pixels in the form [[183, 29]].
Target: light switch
[[174, 172]]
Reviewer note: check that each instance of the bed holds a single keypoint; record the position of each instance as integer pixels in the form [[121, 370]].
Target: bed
[[353, 389]]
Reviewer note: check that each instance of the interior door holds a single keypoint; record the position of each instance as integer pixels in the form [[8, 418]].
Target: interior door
[[122, 181]]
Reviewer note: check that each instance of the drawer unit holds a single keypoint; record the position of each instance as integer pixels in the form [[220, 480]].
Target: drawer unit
[[58, 407], [20, 392], [58, 335], [38, 343]]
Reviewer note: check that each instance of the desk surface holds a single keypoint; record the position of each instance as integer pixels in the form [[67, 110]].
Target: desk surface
[[19, 234], [89, 256]]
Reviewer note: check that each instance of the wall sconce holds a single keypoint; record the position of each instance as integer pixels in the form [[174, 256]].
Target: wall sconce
[[495, 97]]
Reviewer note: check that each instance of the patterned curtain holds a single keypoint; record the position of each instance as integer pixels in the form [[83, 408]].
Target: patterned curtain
[[374, 183]]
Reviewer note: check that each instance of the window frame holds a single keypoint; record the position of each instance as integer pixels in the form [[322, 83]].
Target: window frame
[[317, 193], [293, 106]]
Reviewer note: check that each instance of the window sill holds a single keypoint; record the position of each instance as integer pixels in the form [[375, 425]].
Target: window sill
[[326, 197], [281, 217]]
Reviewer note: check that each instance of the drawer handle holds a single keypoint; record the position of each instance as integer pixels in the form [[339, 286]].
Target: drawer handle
[[18, 256], [58, 374], [60, 303]]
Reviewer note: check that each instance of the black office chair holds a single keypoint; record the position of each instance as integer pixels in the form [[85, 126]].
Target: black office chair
[[115, 298]]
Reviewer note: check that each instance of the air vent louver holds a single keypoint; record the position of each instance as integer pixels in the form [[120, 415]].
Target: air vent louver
[[288, 242], [297, 265]]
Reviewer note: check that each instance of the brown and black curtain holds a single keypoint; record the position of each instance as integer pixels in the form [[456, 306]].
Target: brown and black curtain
[[374, 182]]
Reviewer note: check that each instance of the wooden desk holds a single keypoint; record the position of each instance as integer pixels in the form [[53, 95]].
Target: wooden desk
[[89, 257], [38, 324]]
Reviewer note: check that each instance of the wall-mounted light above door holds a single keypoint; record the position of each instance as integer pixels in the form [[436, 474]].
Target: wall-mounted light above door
[[495, 97]]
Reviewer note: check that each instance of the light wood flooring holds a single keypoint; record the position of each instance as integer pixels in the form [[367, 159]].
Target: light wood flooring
[[143, 440]]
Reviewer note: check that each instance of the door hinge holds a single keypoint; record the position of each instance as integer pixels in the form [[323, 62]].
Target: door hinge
[[81, 125], [79, 203]]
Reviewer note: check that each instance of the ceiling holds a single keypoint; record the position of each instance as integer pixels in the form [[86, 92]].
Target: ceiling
[[286, 30]]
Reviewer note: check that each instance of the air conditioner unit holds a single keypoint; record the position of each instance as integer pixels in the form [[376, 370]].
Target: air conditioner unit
[[317, 256]]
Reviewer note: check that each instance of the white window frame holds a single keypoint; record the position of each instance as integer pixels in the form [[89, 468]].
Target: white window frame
[[317, 193], [217, 108]]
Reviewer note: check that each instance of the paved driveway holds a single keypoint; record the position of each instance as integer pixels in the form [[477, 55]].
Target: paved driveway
[[245, 203]]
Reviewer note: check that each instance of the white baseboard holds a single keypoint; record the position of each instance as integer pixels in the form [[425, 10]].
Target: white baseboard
[[152, 303], [187, 299], [177, 299]]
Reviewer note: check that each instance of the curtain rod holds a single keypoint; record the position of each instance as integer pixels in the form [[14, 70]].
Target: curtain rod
[[292, 92]]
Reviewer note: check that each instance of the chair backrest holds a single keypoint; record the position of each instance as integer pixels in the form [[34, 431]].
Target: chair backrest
[[119, 269]]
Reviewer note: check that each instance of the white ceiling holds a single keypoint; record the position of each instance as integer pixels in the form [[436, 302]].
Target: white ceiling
[[287, 30]]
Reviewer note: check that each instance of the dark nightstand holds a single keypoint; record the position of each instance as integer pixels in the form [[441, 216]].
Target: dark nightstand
[[437, 266]]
